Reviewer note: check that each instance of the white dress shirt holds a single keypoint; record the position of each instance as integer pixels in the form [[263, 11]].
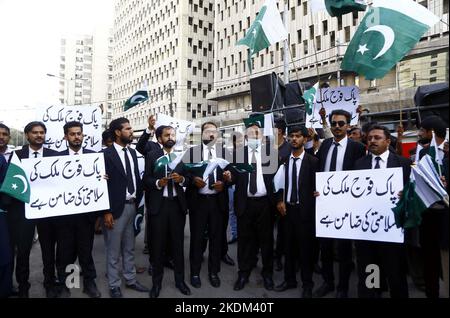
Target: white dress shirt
[[299, 165], [40, 153], [79, 152], [261, 186], [206, 189], [383, 162], [340, 155], [121, 154]]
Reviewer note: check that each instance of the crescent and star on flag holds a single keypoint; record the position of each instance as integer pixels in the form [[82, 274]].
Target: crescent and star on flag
[[389, 38]]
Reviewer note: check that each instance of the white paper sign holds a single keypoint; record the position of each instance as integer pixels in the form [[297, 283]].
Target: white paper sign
[[66, 185], [55, 117], [182, 127], [357, 204], [331, 98]]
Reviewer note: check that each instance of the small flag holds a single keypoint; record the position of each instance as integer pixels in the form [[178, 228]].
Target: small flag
[[139, 97], [388, 31], [267, 29], [163, 161], [197, 169], [436, 155], [337, 8], [257, 120], [310, 98], [16, 182]]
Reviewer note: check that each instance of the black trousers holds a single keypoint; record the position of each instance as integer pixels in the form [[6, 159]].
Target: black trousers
[[300, 237], [21, 233], [207, 216], [6, 258], [48, 230], [344, 258], [76, 240], [391, 259], [280, 244], [430, 243], [169, 222], [255, 232], [225, 218]]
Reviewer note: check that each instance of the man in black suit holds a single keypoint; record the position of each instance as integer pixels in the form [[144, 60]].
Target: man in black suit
[[337, 154], [148, 141], [207, 198], [391, 257], [296, 204], [77, 231], [167, 207], [125, 193], [22, 229], [252, 205]]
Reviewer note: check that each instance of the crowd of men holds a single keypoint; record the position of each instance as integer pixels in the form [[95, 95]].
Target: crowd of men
[[173, 192]]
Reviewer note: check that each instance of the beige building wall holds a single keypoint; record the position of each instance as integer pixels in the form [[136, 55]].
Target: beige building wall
[[169, 45]]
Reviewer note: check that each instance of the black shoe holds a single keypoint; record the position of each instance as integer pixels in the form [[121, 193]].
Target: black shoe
[[150, 270], [154, 292], [240, 283], [214, 280], [182, 287], [90, 289], [307, 293], [278, 265], [115, 292], [342, 294], [233, 240], [227, 260], [285, 286], [169, 264], [138, 287], [323, 290], [51, 292], [268, 283], [195, 281]]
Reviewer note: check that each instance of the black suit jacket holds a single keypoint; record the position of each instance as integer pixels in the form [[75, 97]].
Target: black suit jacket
[[241, 181], [353, 152], [192, 191], [394, 161], [16, 206], [154, 196], [117, 181], [144, 145], [306, 186]]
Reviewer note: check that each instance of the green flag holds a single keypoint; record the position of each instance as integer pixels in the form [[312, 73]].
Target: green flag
[[436, 155], [267, 29], [388, 31], [408, 211], [243, 167], [254, 120], [139, 97], [197, 168], [16, 182], [162, 162], [310, 98], [337, 8]]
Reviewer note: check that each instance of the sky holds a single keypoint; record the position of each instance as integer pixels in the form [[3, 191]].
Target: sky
[[30, 34]]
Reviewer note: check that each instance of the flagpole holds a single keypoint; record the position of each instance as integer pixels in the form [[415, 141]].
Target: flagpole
[[317, 64], [399, 94], [286, 45]]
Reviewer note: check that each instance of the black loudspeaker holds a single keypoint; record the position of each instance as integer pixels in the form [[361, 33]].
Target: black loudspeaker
[[293, 96], [267, 90]]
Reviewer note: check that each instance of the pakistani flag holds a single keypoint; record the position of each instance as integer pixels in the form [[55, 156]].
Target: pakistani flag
[[243, 167], [257, 120], [389, 30], [337, 8], [139, 97], [197, 169], [163, 161], [310, 98], [267, 29], [16, 182], [435, 154]]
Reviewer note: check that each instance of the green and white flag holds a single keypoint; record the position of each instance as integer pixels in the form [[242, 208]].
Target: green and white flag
[[267, 29], [162, 162], [436, 155], [16, 182], [310, 98], [388, 31], [337, 8], [137, 98]]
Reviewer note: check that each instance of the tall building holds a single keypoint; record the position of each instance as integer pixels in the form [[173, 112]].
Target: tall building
[[167, 44], [86, 71], [315, 39]]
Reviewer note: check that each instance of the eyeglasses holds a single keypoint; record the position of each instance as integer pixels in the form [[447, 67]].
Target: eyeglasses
[[340, 123]]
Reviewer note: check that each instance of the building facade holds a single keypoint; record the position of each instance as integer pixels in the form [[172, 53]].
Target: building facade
[[316, 39], [85, 75], [167, 45]]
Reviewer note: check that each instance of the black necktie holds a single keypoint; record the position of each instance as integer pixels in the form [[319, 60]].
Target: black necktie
[[334, 157], [253, 185], [35, 154], [130, 184], [294, 181], [170, 183], [377, 164], [211, 180]]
